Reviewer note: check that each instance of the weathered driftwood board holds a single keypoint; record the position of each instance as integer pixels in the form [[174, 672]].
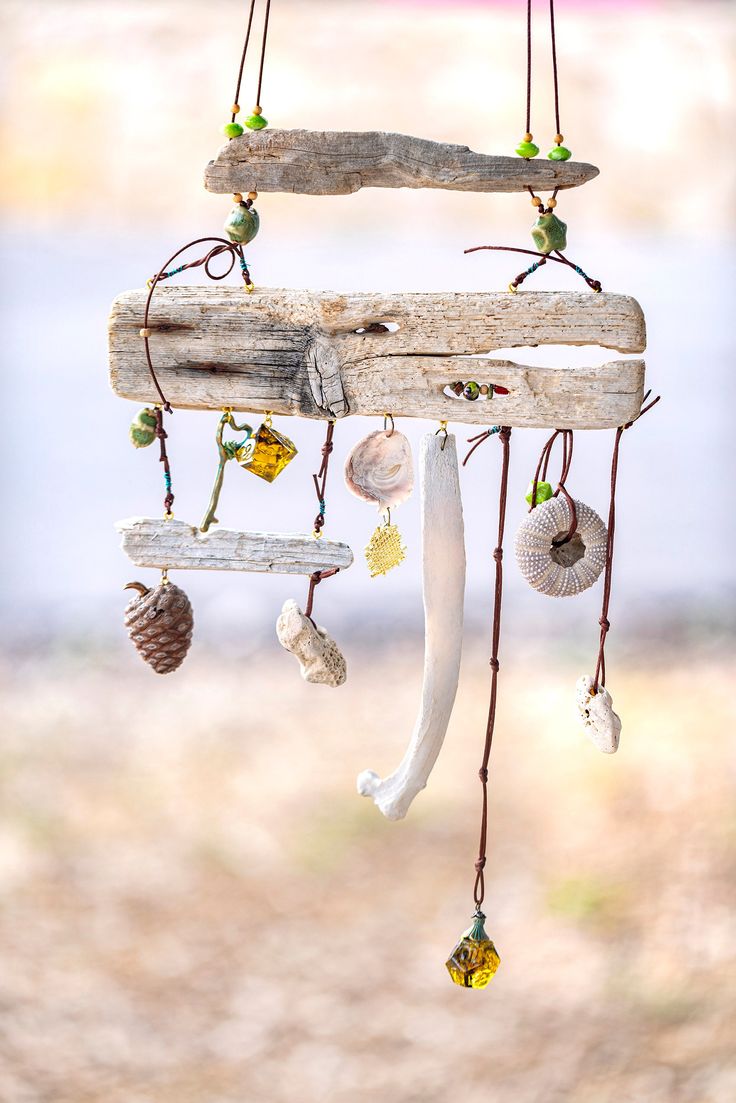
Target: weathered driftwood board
[[313, 354], [152, 542], [319, 162]]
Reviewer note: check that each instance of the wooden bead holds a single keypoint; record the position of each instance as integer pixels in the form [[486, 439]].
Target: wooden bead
[[253, 195], [146, 332], [484, 388], [528, 137], [536, 201], [257, 110], [235, 109], [237, 197], [552, 203], [559, 138]]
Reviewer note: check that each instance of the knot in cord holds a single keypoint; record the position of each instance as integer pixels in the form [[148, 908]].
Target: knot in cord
[[494, 665], [480, 865]]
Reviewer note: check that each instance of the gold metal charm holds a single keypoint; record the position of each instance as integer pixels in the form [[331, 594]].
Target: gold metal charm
[[273, 451], [385, 549]]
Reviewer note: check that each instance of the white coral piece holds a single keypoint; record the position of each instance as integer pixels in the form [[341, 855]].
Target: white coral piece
[[601, 723], [570, 568], [319, 656]]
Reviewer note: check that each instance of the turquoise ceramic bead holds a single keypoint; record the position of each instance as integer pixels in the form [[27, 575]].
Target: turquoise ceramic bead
[[232, 130], [256, 122], [544, 492], [559, 153], [242, 224], [549, 233], [527, 149]]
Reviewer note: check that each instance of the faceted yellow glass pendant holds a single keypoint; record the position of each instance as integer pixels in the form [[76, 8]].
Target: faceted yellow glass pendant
[[474, 960], [272, 453], [385, 550]]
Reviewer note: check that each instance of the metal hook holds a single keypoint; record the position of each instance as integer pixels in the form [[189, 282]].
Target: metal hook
[[442, 429], [389, 417]]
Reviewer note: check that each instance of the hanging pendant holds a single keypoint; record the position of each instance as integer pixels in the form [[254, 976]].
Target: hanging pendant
[[595, 706], [385, 549], [320, 658], [242, 224], [561, 569], [142, 430], [160, 622], [272, 452], [549, 233], [474, 960]]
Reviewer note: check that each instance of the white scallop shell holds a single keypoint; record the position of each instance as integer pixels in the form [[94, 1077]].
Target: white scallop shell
[[379, 469], [534, 548], [601, 723]]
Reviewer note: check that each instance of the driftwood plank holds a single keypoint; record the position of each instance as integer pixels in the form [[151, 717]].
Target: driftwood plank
[[151, 542], [316, 355], [312, 162]]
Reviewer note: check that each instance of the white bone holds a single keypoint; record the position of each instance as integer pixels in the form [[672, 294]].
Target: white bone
[[443, 580], [601, 723], [320, 658]]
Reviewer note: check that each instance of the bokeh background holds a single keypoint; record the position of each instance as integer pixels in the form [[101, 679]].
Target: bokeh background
[[195, 905]]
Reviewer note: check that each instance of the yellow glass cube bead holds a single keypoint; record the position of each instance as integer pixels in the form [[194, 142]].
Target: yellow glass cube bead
[[474, 960], [273, 451]]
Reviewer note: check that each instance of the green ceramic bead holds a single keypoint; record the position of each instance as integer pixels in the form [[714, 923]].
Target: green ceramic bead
[[549, 233], [232, 130], [256, 122], [142, 431], [527, 149], [544, 492], [471, 391], [559, 153], [242, 224]]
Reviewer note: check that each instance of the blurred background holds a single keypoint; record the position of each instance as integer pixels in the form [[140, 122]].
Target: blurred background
[[195, 905]]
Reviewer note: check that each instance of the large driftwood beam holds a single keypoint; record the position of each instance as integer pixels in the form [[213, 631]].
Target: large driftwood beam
[[150, 542], [315, 354], [336, 162]]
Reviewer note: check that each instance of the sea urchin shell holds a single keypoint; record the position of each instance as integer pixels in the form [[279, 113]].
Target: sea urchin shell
[[567, 569]]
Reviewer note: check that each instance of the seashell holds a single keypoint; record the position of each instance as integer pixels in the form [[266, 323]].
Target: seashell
[[379, 469], [602, 725], [570, 568], [319, 656]]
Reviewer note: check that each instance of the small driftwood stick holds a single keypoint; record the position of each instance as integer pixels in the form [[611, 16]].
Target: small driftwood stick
[[160, 544], [335, 162]]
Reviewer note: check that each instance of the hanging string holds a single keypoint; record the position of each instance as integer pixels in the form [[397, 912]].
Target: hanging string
[[235, 252], [528, 66], [600, 667], [263, 51], [236, 99], [559, 258], [554, 65], [540, 475], [314, 581], [320, 479], [164, 459], [504, 435]]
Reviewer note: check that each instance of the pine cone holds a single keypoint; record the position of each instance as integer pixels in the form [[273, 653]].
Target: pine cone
[[160, 624]]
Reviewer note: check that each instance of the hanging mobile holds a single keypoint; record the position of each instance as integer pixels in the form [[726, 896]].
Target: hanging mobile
[[379, 469]]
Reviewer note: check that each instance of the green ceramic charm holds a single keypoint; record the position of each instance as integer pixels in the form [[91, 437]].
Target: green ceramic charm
[[234, 130], [544, 492], [256, 122], [549, 233], [142, 431], [527, 149], [242, 224], [559, 153]]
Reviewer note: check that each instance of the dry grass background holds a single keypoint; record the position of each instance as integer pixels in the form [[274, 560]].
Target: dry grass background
[[198, 908]]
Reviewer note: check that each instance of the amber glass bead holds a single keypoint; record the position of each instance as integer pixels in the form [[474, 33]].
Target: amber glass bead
[[474, 960], [272, 453]]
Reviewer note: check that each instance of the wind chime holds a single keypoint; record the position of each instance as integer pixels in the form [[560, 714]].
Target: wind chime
[[329, 356]]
